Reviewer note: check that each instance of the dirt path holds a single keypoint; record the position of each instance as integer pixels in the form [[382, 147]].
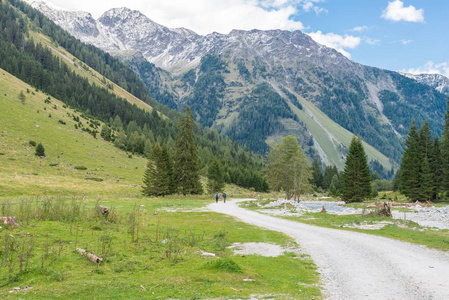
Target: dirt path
[[361, 266]]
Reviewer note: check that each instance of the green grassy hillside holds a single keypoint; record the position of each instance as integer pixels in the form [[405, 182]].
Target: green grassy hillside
[[329, 135], [23, 173]]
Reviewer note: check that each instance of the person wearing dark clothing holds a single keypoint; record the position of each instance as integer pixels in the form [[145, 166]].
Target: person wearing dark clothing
[[216, 197], [224, 197]]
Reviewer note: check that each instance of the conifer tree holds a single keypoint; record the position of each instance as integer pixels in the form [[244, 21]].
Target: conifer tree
[[411, 164], [334, 189], [445, 153], [317, 175], [436, 167], [215, 176], [167, 166], [329, 172], [186, 167], [158, 178], [425, 173], [151, 180], [40, 150], [356, 178]]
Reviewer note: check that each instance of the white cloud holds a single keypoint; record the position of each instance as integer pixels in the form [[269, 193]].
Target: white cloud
[[206, 16], [338, 42], [371, 41], [309, 5], [360, 28], [431, 68], [396, 11], [406, 42]]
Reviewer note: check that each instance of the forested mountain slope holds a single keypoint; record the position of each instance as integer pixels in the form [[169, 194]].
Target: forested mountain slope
[[325, 97], [133, 128]]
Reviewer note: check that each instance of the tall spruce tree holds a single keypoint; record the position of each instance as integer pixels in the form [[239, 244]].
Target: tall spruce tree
[[426, 173], [167, 165], [158, 178], [186, 167], [436, 167], [411, 164], [150, 185], [215, 176], [356, 177], [445, 153], [317, 175], [329, 172]]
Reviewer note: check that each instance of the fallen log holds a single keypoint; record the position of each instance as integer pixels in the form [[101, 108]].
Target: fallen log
[[92, 257], [10, 221]]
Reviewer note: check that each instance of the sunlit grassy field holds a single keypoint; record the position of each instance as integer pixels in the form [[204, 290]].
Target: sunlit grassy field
[[152, 248]]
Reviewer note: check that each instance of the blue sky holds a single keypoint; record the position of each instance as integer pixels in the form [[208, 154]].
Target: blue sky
[[399, 35], [407, 43]]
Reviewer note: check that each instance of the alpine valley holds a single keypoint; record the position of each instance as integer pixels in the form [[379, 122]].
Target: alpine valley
[[258, 86]]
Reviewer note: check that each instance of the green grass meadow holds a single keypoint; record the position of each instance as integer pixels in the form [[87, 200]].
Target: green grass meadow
[[152, 247]]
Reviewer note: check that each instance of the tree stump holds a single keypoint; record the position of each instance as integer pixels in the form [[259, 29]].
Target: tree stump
[[386, 210]]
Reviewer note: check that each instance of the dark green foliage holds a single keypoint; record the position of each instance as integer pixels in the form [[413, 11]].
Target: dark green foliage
[[436, 166], [260, 117], [158, 178], [376, 167], [426, 174], [186, 168], [152, 78], [40, 150], [292, 98], [106, 133], [335, 186], [215, 176], [445, 153], [205, 100], [411, 163], [329, 173], [317, 175], [243, 71], [32, 143], [356, 178]]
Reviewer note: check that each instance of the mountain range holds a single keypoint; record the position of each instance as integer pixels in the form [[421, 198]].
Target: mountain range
[[256, 86]]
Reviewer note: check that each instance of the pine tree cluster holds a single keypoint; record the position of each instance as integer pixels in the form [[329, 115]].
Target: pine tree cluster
[[423, 172]]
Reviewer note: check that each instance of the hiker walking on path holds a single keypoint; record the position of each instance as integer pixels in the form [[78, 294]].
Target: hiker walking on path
[[224, 197], [216, 197]]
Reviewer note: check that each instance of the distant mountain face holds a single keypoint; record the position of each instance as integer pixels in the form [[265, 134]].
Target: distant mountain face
[[436, 81], [259, 85]]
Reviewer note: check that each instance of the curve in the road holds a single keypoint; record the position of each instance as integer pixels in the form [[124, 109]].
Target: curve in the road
[[360, 266]]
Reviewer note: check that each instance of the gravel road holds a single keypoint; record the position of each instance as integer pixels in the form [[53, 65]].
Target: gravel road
[[360, 266]]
